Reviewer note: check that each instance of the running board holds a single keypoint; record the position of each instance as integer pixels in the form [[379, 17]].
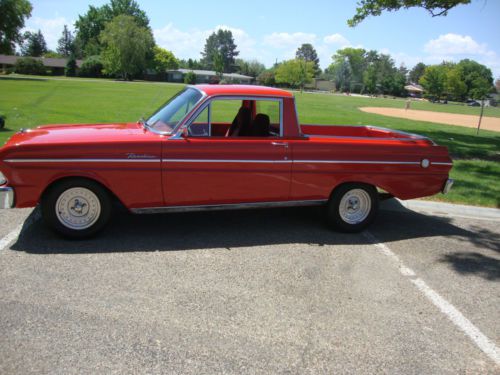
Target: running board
[[219, 207]]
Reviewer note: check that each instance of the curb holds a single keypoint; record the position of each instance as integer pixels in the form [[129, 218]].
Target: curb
[[441, 209]]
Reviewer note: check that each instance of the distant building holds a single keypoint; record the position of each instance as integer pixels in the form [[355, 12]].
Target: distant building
[[207, 76], [56, 64], [320, 85]]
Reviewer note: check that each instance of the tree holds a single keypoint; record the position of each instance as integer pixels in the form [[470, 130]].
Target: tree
[[164, 60], [417, 72], [497, 85], [34, 44], [91, 24], [295, 73], [218, 61], [376, 7], [220, 43], [475, 76], [307, 52], [65, 44], [267, 77], [126, 45], [250, 68], [434, 80], [70, 70], [13, 13], [348, 66], [455, 86]]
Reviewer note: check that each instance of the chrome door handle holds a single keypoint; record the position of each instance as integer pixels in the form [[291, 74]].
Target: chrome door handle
[[284, 144]]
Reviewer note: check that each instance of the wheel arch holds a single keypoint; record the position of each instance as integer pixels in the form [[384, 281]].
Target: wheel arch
[[359, 182], [94, 179]]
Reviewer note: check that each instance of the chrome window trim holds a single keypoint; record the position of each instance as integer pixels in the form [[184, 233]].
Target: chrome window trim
[[174, 130], [207, 102], [231, 206]]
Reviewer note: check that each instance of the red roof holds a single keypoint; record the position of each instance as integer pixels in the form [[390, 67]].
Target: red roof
[[250, 90]]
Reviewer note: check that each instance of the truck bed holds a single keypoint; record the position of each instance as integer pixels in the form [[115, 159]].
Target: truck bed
[[349, 131]]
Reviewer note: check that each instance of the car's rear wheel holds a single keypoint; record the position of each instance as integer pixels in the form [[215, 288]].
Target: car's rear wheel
[[352, 207], [76, 208]]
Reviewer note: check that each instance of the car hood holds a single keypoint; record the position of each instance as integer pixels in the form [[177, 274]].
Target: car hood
[[79, 133]]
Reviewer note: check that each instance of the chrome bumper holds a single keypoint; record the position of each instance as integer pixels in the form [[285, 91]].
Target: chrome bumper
[[6, 197], [447, 185]]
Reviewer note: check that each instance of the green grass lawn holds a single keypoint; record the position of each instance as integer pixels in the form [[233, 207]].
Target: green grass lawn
[[28, 102]]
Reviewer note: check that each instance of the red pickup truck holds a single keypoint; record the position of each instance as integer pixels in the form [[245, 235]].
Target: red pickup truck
[[215, 147]]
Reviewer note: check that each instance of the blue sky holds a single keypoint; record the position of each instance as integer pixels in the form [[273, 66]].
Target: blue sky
[[272, 30]]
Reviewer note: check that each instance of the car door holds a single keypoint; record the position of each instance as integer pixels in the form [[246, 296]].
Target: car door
[[201, 168]]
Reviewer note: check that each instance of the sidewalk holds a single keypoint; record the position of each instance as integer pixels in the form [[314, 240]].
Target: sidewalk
[[441, 209]]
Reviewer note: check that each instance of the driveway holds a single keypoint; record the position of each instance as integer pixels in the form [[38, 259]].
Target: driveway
[[244, 292]]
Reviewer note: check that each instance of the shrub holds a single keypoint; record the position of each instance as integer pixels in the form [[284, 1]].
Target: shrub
[[70, 70], [190, 78], [29, 65], [91, 67]]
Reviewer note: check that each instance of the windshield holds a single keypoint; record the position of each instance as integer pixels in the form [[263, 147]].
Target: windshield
[[166, 118]]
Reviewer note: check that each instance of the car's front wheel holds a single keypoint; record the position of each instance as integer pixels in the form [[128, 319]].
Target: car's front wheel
[[352, 207], [76, 208]]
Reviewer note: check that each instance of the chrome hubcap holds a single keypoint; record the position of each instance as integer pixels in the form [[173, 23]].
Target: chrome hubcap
[[78, 208], [355, 206]]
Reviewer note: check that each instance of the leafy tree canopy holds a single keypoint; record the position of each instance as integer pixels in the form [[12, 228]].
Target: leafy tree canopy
[[125, 46], [295, 73], [307, 52], [220, 46], [376, 7], [13, 13], [417, 72], [65, 44], [250, 68], [33, 44], [164, 60], [91, 24]]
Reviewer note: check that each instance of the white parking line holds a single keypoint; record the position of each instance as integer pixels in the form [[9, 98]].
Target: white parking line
[[12, 236], [9, 238], [482, 342]]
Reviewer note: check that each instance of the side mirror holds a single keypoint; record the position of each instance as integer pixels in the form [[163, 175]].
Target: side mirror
[[185, 132]]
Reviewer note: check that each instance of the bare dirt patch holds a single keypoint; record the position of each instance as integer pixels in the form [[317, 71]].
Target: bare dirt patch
[[487, 123]]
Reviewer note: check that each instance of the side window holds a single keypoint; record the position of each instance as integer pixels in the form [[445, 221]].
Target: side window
[[238, 118], [271, 110], [224, 110], [200, 127]]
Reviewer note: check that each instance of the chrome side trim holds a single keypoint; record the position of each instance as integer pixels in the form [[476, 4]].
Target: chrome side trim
[[435, 163], [290, 161], [82, 160], [6, 197], [358, 162], [224, 161], [236, 206], [382, 162]]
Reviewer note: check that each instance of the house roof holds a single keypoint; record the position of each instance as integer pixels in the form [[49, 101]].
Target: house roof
[[414, 87], [210, 73], [247, 90], [50, 62]]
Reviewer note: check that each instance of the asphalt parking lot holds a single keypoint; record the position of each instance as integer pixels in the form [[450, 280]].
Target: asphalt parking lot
[[263, 291]]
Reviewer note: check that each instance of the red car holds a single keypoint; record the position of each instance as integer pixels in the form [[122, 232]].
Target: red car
[[215, 147]]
